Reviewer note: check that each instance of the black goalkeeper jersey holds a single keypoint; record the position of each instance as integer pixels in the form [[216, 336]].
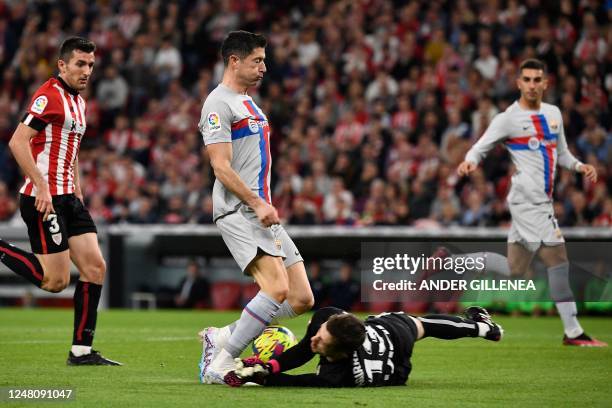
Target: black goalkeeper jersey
[[382, 359]]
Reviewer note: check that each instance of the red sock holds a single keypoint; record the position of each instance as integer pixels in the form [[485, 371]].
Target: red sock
[[21, 262]]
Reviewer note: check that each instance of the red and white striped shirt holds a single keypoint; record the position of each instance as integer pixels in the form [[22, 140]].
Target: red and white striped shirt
[[57, 111]]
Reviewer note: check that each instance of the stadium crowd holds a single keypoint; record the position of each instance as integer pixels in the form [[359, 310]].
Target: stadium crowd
[[372, 103]]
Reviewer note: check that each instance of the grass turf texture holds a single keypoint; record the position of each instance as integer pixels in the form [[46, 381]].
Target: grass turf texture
[[161, 353]]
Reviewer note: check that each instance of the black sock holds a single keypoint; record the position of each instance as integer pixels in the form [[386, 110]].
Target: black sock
[[448, 327], [21, 262], [86, 298]]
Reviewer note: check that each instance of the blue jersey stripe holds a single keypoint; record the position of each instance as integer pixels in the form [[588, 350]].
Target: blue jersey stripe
[[546, 130], [516, 146], [260, 115], [243, 132], [545, 155], [264, 163], [546, 169]]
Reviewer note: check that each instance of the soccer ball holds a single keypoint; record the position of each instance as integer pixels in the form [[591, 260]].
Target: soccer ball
[[273, 342]]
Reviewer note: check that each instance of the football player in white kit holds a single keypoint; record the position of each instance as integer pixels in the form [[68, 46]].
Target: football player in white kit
[[532, 131], [236, 133]]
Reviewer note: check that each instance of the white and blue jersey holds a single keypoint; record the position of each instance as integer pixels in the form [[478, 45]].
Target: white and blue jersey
[[232, 117], [536, 142]]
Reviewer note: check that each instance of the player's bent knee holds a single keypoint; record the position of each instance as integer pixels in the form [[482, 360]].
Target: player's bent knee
[[278, 293], [55, 285], [302, 304]]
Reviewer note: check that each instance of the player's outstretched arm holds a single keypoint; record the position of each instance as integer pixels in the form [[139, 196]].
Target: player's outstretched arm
[[337, 374], [260, 374], [495, 133], [20, 147], [256, 371], [220, 160]]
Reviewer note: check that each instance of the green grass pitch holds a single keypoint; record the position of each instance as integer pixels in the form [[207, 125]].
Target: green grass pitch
[[161, 353]]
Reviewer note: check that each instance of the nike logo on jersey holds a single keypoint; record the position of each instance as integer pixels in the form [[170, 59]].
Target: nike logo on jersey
[[525, 127]]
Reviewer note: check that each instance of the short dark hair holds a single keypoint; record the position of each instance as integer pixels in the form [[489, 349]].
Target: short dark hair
[[75, 43], [348, 332], [241, 43], [532, 63]]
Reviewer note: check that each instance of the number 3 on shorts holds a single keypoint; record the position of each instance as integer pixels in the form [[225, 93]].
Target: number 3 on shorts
[[54, 226]]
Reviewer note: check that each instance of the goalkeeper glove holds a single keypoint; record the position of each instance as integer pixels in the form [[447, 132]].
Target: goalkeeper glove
[[251, 369]]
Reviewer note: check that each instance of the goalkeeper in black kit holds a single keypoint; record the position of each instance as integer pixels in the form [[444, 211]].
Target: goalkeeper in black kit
[[355, 353]]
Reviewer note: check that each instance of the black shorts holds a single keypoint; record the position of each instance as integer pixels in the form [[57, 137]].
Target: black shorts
[[48, 237]]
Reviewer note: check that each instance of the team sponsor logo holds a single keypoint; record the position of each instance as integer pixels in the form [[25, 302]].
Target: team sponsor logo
[[534, 143], [214, 122], [253, 126], [39, 104], [57, 238]]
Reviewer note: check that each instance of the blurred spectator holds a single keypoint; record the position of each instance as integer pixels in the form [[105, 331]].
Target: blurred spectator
[[168, 62], [318, 286], [338, 204], [578, 214], [476, 213], [481, 118], [445, 196], [129, 19], [420, 200], [590, 43], [344, 293], [486, 63], [8, 204], [204, 215], [604, 219], [112, 94], [194, 289], [311, 197], [141, 80], [301, 214], [175, 212], [143, 212], [119, 138], [594, 140], [455, 138]]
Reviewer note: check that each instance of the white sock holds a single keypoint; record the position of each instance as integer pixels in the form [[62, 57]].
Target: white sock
[[567, 312], [79, 351], [285, 312], [483, 329], [257, 314], [223, 362]]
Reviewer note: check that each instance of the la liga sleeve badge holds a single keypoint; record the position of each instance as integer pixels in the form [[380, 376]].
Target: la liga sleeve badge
[[214, 122], [39, 104]]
